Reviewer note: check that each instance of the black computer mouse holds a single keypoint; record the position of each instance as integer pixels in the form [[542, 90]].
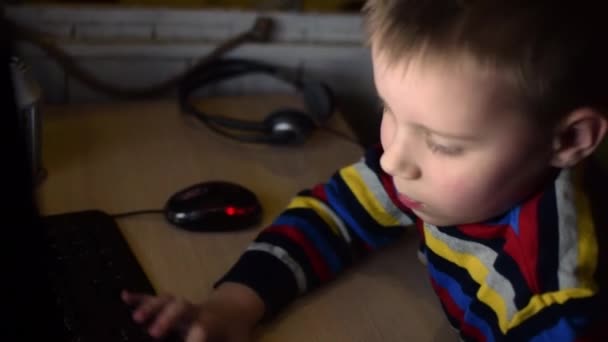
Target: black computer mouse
[[213, 206]]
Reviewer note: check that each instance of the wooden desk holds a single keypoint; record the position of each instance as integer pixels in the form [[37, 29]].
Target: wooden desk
[[123, 157]]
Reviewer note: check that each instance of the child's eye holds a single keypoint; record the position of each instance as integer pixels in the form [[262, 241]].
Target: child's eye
[[441, 149]]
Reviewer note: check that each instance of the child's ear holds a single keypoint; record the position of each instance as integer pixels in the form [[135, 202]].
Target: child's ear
[[577, 136]]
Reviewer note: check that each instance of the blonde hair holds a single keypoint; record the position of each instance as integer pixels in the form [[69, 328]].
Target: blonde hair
[[553, 51]]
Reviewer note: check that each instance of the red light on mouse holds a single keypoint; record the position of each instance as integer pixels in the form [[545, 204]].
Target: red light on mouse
[[232, 211]]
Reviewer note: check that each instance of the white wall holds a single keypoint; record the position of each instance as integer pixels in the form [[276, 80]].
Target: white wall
[[141, 46]]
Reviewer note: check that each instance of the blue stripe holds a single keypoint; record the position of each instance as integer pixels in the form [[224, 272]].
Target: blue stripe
[[337, 203], [313, 234], [562, 332], [462, 301], [510, 219]]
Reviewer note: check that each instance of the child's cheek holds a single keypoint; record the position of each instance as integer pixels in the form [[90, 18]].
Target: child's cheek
[[456, 193]]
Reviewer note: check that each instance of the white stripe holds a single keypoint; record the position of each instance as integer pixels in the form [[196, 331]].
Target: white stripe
[[568, 237], [375, 186], [282, 255], [422, 258], [487, 256]]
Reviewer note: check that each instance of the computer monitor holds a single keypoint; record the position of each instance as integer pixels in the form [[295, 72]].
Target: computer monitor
[[26, 298]]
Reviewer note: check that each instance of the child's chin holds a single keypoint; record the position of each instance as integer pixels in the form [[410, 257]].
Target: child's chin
[[435, 220]]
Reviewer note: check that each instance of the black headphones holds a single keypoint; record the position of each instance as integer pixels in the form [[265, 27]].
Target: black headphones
[[286, 126]]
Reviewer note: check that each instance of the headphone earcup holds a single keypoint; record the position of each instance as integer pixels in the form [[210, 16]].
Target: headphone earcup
[[288, 126], [319, 100]]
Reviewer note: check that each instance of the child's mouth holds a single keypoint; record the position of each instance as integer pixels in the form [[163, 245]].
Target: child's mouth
[[410, 203]]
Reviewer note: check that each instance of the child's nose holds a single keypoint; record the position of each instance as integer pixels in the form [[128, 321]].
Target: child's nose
[[399, 163]]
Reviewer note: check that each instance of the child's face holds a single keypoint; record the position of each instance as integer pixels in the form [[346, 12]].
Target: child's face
[[456, 151]]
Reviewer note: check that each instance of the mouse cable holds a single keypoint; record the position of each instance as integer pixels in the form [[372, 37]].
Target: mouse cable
[[137, 212], [261, 31]]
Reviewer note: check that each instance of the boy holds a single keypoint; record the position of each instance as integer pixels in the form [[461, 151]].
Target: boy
[[491, 109]]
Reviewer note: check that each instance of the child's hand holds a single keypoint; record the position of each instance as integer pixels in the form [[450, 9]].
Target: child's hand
[[229, 315], [163, 314]]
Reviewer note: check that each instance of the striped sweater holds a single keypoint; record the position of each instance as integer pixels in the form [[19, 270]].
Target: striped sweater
[[528, 275]]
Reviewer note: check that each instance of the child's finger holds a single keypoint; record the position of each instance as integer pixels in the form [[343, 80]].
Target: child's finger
[[168, 318], [196, 334], [150, 307], [133, 298]]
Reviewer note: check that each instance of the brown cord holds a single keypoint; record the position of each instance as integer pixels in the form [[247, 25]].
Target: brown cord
[[260, 32]]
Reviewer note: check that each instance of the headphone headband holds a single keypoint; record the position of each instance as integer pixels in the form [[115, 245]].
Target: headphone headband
[[278, 127]]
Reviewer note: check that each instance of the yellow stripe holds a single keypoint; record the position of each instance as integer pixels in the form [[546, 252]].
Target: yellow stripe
[[587, 242], [587, 259], [477, 271], [317, 206], [366, 198], [541, 301]]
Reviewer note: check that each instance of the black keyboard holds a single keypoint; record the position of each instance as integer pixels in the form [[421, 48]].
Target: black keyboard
[[89, 264]]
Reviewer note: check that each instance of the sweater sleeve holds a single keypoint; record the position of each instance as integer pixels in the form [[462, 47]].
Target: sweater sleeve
[[574, 317], [322, 231]]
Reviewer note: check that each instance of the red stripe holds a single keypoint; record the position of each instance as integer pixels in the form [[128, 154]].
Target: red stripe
[[483, 231], [319, 192], [368, 248], [389, 187], [522, 255], [420, 228], [523, 248], [316, 260], [528, 243], [457, 313]]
